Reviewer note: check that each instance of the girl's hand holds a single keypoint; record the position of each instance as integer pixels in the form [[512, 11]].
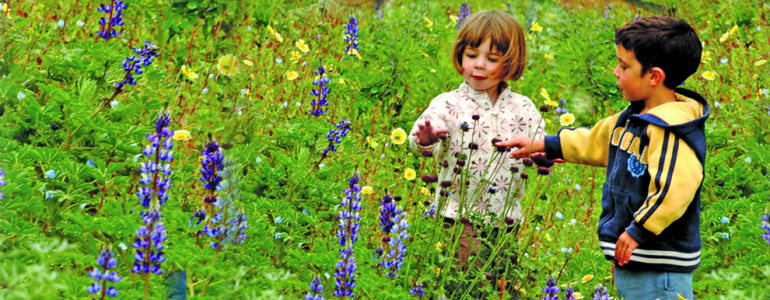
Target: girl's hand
[[525, 144], [427, 134]]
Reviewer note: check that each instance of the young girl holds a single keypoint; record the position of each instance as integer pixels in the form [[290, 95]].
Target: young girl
[[489, 50]]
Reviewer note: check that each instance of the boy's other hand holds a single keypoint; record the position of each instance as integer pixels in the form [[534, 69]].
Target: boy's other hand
[[525, 145], [624, 247], [427, 134]]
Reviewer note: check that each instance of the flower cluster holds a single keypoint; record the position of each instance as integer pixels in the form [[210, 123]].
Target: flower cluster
[[347, 235], [134, 64], [335, 135], [238, 228], [315, 290], [551, 290], [351, 38], [766, 226], [600, 293], [107, 262], [465, 10], [155, 175], [212, 162], [569, 293], [393, 261], [211, 165], [2, 183], [417, 290], [387, 212], [319, 102], [114, 12]]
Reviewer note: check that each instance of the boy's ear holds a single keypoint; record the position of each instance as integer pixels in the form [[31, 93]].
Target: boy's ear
[[657, 76]]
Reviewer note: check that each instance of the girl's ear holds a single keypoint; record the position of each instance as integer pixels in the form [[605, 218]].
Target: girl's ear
[[657, 76]]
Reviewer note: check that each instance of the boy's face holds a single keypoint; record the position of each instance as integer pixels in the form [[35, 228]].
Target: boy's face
[[633, 85], [482, 66]]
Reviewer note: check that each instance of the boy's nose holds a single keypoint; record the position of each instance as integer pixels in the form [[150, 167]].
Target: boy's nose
[[616, 73]]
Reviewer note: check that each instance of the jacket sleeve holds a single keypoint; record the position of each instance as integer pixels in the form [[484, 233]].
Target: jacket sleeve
[[435, 113], [581, 145], [675, 177]]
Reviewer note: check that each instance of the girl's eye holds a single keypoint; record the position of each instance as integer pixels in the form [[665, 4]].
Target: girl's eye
[[470, 55]]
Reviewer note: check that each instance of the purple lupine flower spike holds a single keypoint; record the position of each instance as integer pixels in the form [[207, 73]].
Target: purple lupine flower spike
[[315, 290], [351, 37], [335, 135], [394, 259], [107, 262], [319, 100], [2, 183], [134, 64], [465, 11], [347, 235], [766, 226], [551, 290], [114, 12]]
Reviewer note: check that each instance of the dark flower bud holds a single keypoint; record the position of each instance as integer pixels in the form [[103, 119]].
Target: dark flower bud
[[544, 108], [475, 117], [460, 163], [210, 199], [446, 183], [385, 239], [397, 198], [457, 170], [467, 182], [54, 127], [444, 193], [524, 176], [427, 153], [473, 146], [445, 164], [387, 198], [721, 183], [527, 162], [509, 220], [465, 221], [465, 127], [490, 276], [442, 136], [492, 190], [542, 161], [426, 203], [280, 183], [502, 149], [456, 154], [430, 178], [495, 141], [514, 169], [543, 171]]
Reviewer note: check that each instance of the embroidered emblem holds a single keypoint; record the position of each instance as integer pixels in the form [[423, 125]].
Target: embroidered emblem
[[636, 167]]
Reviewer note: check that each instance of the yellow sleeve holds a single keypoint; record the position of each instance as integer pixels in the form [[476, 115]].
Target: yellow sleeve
[[581, 145], [675, 176]]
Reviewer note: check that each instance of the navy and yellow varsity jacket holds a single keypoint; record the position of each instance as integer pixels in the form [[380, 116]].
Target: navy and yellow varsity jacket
[[655, 164]]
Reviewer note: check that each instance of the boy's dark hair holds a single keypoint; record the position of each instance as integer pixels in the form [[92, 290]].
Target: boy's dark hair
[[664, 42]]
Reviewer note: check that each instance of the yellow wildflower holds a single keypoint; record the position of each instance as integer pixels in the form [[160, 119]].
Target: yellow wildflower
[[252, 76], [587, 278], [291, 75], [705, 56], [6, 11], [181, 135], [709, 75], [566, 119], [437, 270], [425, 54], [189, 73], [370, 141], [734, 29], [578, 295], [367, 190], [453, 18], [544, 93], [433, 70], [248, 62], [551, 102], [428, 22], [547, 237], [410, 174], [548, 56], [342, 80], [295, 56], [519, 289], [302, 46], [398, 136], [440, 246], [680, 297], [354, 52], [227, 65], [754, 76], [724, 37], [275, 34], [760, 62], [535, 27], [425, 191]]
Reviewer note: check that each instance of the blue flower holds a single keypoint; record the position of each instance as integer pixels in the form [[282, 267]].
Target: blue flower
[[351, 37], [20, 95], [211, 164], [724, 220], [465, 10], [278, 220], [559, 215], [114, 12], [724, 60], [766, 226], [134, 64], [347, 235], [600, 293], [2, 183], [394, 259], [319, 100], [106, 261], [551, 290], [50, 174], [335, 135], [417, 290], [569, 293], [315, 290]]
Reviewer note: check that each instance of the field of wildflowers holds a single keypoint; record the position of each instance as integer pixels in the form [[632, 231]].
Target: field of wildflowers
[[212, 149]]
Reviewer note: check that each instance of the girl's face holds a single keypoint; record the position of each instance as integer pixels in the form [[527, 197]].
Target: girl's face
[[481, 68]]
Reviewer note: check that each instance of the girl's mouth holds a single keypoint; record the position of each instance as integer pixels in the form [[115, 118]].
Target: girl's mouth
[[478, 77]]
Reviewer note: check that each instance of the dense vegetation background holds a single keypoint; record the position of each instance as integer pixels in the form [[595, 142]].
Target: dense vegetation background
[[72, 145]]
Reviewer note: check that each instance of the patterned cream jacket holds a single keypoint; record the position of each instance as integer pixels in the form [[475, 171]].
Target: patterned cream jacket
[[512, 115]]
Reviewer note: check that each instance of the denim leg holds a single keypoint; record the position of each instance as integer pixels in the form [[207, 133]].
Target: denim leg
[[652, 285]]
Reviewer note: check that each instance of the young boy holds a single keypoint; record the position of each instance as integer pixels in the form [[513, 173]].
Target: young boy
[[655, 151]]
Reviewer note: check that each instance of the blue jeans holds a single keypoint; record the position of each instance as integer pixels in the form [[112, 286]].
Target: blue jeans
[[652, 285]]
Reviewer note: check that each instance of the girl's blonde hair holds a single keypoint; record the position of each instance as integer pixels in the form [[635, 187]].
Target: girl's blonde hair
[[505, 34]]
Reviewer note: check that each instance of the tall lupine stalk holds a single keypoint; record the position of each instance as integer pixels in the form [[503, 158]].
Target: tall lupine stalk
[[131, 64], [211, 165], [550, 290], [155, 180], [351, 38], [319, 101], [114, 18], [394, 260], [465, 11], [2, 183], [347, 235], [334, 136], [315, 290], [765, 225], [107, 262]]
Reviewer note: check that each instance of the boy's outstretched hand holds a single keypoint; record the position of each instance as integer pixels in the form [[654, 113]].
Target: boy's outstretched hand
[[427, 134], [525, 144], [624, 247]]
